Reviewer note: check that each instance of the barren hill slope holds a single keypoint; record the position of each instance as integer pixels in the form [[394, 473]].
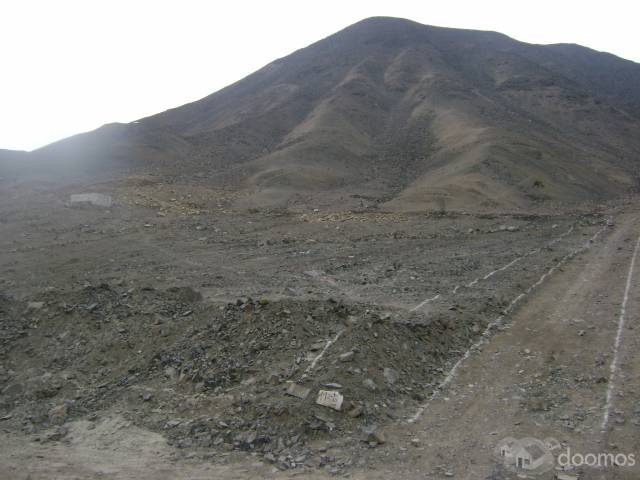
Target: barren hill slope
[[400, 115]]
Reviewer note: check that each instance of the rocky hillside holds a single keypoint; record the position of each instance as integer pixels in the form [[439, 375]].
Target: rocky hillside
[[396, 115]]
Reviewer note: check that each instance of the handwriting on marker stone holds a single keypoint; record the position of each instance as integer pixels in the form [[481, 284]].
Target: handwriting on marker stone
[[329, 398]]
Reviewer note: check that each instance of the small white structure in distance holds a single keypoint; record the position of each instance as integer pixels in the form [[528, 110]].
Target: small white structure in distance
[[95, 199]]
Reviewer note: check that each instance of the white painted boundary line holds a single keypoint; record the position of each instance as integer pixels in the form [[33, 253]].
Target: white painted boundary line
[[492, 273], [513, 262], [613, 368], [487, 332], [330, 342], [429, 300], [423, 303]]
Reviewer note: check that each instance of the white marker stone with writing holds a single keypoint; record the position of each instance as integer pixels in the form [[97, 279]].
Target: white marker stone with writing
[[329, 398]]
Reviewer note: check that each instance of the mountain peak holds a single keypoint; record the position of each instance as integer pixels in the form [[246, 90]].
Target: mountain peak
[[389, 113]]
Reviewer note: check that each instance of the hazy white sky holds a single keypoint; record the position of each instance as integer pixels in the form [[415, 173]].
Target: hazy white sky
[[70, 66]]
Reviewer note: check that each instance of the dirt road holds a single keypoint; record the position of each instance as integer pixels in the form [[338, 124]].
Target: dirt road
[[547, 375]]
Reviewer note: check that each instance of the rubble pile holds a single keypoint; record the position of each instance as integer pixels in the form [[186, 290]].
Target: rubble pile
[[260, 375]]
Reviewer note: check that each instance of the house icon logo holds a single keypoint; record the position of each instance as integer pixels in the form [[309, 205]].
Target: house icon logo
[[529, 457]]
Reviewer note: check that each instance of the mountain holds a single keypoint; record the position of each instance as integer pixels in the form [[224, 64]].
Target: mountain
[[11, 162], [400, 116], [11, 154]]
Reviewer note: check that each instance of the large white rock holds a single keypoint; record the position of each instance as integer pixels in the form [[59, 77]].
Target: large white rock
[[95, 199]]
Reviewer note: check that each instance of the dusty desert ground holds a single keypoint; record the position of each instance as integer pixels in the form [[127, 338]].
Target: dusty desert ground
[[158, 338]]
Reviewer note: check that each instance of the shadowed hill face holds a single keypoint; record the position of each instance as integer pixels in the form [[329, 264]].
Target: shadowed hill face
[[405, 116]]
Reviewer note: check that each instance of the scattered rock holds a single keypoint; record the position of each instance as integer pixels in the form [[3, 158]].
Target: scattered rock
[[273, 378], [31, 306], [299, 391], [58, 414], [356, 411], [347, 356], [57, 434], [373, 434], [332, 385], [370, 384], [391, 376]]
